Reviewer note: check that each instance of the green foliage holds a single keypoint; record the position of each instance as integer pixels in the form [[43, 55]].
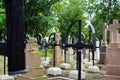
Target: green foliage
[[68, 12], [49, 53], [102, 11], [44, 15], [37, 16], [2, 19]]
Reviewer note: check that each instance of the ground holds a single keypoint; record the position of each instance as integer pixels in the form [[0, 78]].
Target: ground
[[89, 76]]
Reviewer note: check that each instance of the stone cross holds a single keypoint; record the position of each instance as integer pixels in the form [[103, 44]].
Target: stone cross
[[113, 28], [104, 40]]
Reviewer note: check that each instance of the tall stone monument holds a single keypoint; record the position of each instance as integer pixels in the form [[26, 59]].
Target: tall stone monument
[[58, 51], [35, 72], [103, 44], [69, 52], [112, 61]]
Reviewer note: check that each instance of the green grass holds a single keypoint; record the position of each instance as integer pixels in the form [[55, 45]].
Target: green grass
[[49, 53]]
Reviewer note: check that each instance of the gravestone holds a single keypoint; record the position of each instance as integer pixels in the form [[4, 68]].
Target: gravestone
[[2, 75], [97, 53], [58, 51], [1, 65], [35, 71], [57, 56], [112, 61], [69, 52], [103, 44]]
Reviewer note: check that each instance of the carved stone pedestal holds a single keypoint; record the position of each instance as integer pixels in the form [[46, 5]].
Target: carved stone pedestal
[[35, 72], [112, 62]]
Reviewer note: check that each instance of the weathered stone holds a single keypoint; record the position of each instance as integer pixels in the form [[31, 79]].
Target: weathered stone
[[65, 66], [112, 61], [93, 69], [103, 44], [74, 74], [54, 71], [35, 72]]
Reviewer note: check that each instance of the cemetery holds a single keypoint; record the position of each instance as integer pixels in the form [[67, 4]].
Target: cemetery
[[59, 40]]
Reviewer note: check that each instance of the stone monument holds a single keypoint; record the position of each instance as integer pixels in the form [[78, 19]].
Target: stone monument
[[58, 57], [69, 52], [35, 71], [1, 65], [103, 44], [112, 62], [58, 51], [69, 56]]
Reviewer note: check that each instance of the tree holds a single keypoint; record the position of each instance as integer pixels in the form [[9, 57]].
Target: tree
[[103, 11], [2, 20], [67, 13], [37, 16]]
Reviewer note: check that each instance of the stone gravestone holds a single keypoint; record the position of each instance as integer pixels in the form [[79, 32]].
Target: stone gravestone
[[103, 44], [1, 65], [112, 61], [58, 51], [35, 72], [97, 53], [69, 52]]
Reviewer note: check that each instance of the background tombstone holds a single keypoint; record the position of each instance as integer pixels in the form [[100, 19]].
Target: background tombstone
[[113, 54], [33, 59], [58, 51], [103, 44], [69, 52], [97, 53]]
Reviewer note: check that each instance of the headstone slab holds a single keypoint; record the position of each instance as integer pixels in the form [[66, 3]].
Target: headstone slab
[[103, 50], [104, 34], [113, 54], [33, 59], [58, 51], [35, 72], [97, 53], [103, 44]]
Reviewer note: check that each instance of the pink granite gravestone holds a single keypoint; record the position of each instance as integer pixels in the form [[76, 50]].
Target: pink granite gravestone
[[103, 44], [58, 51], [113, 54]]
